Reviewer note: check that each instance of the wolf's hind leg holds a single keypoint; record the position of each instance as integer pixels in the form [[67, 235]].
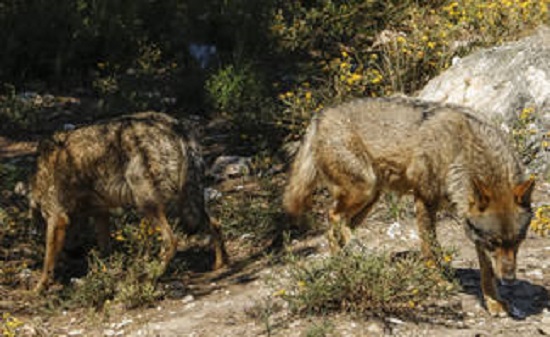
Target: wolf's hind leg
[[102, 232], [55, 238], [349, 210], [170, 242], [221, 256]]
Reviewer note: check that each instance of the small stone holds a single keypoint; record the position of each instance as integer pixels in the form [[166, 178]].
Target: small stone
[[545, 319], [395, 320], [375, 329], [535, 273], [79, 332]]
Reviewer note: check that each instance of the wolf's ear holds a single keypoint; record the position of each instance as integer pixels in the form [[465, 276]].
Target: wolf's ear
[[481, 194], [523, 191]]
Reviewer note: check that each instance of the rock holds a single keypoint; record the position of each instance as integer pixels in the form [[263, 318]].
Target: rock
[[395, 320], [68, 127], [211, 194], [188, 299], [535, 273], [21, 189], [499, 81], [545, 319], [230, 167], [375, 329]]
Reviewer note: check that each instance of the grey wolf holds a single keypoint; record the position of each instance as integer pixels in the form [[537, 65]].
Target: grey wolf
[[144, 160], [440, 154]]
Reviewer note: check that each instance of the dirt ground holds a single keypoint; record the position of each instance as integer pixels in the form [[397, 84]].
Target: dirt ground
[[233, 301]]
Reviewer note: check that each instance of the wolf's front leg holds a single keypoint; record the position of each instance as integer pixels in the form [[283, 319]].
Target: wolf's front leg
[[495, 304], [425, 220]]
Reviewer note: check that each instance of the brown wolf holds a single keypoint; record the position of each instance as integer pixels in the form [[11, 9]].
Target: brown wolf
[[145, 160], [437, 152]]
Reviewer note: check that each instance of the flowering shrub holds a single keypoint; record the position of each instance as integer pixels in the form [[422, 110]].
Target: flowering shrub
[[9, 325], [531, 140], [372, 48], [541, 221]]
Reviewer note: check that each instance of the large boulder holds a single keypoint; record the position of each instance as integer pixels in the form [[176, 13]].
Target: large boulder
[[500, 81]]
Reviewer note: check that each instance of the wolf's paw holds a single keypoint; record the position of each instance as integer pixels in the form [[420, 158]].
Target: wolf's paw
[[496, 308]]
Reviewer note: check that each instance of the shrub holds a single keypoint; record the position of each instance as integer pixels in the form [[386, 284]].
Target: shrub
[[372, 284], [371, 48]]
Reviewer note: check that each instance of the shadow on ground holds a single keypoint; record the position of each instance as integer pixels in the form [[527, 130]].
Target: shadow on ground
[[529, 298]]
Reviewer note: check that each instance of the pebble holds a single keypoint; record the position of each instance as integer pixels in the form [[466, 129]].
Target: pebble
[[188, 299], [545, 319], [395, 320], [375, 329]]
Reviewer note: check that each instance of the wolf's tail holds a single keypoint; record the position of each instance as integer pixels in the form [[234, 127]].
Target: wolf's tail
[[303, 176]]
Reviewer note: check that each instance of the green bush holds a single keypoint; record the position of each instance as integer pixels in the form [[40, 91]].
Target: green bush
[[233, 89], [372, 284]]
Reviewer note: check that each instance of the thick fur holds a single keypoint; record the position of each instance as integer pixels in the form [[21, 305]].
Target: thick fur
[[438, 153], [145, 160]]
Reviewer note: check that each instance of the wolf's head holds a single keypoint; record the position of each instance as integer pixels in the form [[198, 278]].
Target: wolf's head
[[497, 221]]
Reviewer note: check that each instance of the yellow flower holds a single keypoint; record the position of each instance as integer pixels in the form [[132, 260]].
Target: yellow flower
[[301, 284], [447, 258], [526, 112], [281, 292], [308, 96], [356, 77], [401, 39], [431, 45], [344, 54], [376, 80]]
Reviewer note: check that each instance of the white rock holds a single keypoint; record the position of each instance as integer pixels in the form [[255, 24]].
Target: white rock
[[187, 299], [228, 167]]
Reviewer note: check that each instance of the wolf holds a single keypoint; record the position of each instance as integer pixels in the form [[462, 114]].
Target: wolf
[[145, 160], [442, 154]]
